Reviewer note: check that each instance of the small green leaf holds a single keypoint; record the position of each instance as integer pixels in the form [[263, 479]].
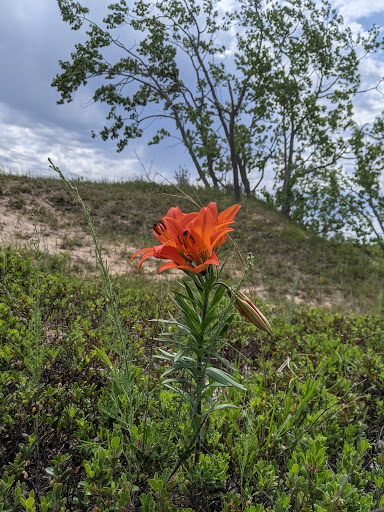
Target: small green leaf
[[115, 443], [30, 501]]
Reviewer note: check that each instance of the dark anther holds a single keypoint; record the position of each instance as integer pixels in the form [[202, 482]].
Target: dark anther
[[156, 228], [192, 238], [181, 243], [185, 232], [159, 224]]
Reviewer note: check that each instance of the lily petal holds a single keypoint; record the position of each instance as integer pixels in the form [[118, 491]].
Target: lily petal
[[145, 257], [189, 240], [139, 252], [229, 213]]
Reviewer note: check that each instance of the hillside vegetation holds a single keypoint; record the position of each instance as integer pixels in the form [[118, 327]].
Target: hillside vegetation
[[86, 422], [290, 262]]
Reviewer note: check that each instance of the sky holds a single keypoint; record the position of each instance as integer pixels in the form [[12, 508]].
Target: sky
[[33, 38]]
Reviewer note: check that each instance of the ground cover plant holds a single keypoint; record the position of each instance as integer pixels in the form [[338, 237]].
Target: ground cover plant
[[86, 425]]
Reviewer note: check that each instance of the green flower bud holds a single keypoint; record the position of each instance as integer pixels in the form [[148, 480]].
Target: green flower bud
[[249, 311]]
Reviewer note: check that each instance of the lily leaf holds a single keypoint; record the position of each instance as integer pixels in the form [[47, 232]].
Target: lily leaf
[[192, 296], [183, 393], [219, 407], [223, 378], [103, 356], [216, 298]]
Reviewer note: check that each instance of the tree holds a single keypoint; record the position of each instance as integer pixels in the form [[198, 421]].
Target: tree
[[315, 78], [354, 200], [176, 71], [267, 87]]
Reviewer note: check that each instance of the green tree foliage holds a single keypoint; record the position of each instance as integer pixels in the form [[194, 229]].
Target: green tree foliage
[[265, 86], [364, 190], [316, 76], [353, 198], [175, 71]]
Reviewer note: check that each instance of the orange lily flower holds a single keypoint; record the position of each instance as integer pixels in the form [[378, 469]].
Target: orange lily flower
[[190, 240]]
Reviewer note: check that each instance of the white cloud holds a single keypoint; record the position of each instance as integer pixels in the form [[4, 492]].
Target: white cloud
[[353, 10], [26, 148]]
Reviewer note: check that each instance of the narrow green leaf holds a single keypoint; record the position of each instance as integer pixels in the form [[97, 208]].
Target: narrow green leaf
[[183, 352], [193, 297], [270, 430], [183, 393], [219, 407], [103, 356], [224, 361], [216, 298], [223, 378], [182, 365], [175, 380], [310, 387]]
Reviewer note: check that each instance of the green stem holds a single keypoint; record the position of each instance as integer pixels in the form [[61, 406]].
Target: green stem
[[201, 372], [198, 412], [187, 451]]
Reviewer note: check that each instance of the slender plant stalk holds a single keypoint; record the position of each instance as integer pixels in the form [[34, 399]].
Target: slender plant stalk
[[188, 450], [201, 372], [265, 384], [113, 300], [198, 412]]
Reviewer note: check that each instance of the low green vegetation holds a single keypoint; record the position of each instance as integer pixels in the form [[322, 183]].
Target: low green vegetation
[[307, 433], [86, 424]]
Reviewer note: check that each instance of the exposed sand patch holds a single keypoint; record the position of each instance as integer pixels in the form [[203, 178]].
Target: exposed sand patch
[[22, 229], [55, 235]]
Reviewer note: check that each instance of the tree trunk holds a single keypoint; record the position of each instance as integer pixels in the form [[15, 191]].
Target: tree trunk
[[180, 126], [244, 178], [234, 160], [288, 169], [236, 183], [212, 172], [286, 202]]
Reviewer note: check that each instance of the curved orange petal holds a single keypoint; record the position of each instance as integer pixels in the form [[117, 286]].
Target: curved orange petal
[[171, 264], [188, 217], [166, 266], [213, 207], [219, 237], [229, 213], [174, 226], [193, 246], [168, 252], [143, 258], [161, 231], [204, 225], [211, 261], [183, 218], [224, 224], [175, 213], [139, 252]]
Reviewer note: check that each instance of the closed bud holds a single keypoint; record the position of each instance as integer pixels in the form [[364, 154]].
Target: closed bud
[[248, 310]]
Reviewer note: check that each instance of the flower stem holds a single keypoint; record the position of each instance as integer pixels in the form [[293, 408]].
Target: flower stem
[[198, 412], [201, 370]]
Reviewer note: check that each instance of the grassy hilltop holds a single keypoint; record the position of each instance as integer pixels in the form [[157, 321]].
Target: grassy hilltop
[[85, 421], [290, 262]]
